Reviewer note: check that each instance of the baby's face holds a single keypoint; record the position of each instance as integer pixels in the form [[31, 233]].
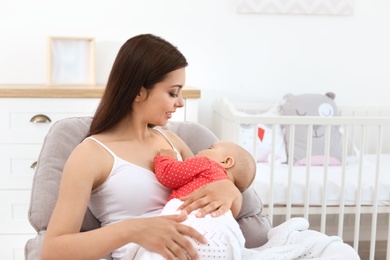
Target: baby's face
[[216, 152]]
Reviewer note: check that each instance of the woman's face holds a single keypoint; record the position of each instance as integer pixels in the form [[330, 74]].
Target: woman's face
[[165, 97]]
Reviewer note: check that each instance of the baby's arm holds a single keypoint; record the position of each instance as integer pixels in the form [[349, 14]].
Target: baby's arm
[[167, 169]]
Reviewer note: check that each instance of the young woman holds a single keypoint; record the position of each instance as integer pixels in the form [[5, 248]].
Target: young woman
[[112, 171]]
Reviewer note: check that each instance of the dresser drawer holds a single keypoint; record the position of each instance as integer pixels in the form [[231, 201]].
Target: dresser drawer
[[14, 207], [16, 165], [28, 120], [12, 246]]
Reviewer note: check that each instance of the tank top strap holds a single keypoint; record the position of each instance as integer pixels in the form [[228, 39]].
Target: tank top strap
[[170, 143], [103, 145], [166, 138]]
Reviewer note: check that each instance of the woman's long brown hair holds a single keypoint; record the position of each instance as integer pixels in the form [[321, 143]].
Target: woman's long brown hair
[[142, 61]]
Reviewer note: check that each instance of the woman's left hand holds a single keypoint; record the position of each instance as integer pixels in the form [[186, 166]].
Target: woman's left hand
[[215, 198]]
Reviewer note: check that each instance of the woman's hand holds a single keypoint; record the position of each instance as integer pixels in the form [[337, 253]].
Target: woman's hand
[[166, 236], [215, 198]]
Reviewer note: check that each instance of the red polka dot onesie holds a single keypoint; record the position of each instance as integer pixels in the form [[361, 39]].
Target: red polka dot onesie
[[183, 177]]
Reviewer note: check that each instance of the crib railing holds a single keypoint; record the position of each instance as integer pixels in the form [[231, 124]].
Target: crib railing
[[363, 134], [341, 211]]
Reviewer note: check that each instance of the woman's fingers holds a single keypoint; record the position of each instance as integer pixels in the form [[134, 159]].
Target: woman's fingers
[[177, 252], [193, 202], [180, 250], [205, 206], [187, 231], [180, 246], [193, 233], [215, 198], [214, 208]]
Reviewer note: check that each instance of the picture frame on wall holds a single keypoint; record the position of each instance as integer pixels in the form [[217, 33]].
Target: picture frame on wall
[[71, 61]]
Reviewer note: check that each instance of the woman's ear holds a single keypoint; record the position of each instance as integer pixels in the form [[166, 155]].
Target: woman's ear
[[141, 95], [228, 162]]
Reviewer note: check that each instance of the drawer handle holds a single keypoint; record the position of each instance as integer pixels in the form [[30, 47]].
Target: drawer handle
[[34, 165], [40, 119]]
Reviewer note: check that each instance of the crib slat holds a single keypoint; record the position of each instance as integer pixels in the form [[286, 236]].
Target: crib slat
[[359, 189], [325, 182], [254, 142], [308, 163], [290, 170], [375, 196], [341, 213], [271, 176]]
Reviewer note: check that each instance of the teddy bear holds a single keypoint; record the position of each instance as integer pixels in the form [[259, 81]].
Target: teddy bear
[[312, 105]]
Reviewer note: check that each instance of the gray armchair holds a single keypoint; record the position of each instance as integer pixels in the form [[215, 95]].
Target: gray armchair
[[59, 143]]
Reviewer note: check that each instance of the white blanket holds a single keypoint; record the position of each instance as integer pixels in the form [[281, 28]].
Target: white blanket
[[288, 241], [293, 240]]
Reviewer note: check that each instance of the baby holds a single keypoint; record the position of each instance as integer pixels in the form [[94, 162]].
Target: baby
[[223, 160]]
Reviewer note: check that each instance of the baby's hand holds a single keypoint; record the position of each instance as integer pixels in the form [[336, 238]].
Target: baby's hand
[[168, 152]]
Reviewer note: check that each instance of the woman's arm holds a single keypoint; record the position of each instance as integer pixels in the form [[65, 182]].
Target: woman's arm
[[215, 198], [236, 206], [81, 173], [85, 169]]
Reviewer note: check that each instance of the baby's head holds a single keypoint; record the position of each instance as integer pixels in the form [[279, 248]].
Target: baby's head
[[238, 162]]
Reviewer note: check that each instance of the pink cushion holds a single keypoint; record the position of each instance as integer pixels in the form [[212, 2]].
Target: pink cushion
[[318, 160]]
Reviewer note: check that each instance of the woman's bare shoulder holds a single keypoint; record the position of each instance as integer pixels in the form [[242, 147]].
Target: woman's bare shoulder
[[173, 138], [170, 134], [90, 158], [88, 148]]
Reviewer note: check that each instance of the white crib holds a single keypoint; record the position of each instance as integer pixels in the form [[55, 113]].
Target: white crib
[[351, 200]]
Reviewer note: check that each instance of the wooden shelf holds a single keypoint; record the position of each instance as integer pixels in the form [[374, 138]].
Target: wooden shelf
[[67, 91]]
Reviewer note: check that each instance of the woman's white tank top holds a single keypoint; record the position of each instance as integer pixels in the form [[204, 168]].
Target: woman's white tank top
[[129, 191]]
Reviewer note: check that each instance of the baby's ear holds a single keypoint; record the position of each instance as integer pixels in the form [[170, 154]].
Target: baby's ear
[[228, 162]]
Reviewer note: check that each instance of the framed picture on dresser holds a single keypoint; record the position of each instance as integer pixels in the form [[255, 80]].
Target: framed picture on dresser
[[71, 61]]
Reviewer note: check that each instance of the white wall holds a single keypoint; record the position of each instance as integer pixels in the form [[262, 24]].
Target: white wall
[[246, 57]]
